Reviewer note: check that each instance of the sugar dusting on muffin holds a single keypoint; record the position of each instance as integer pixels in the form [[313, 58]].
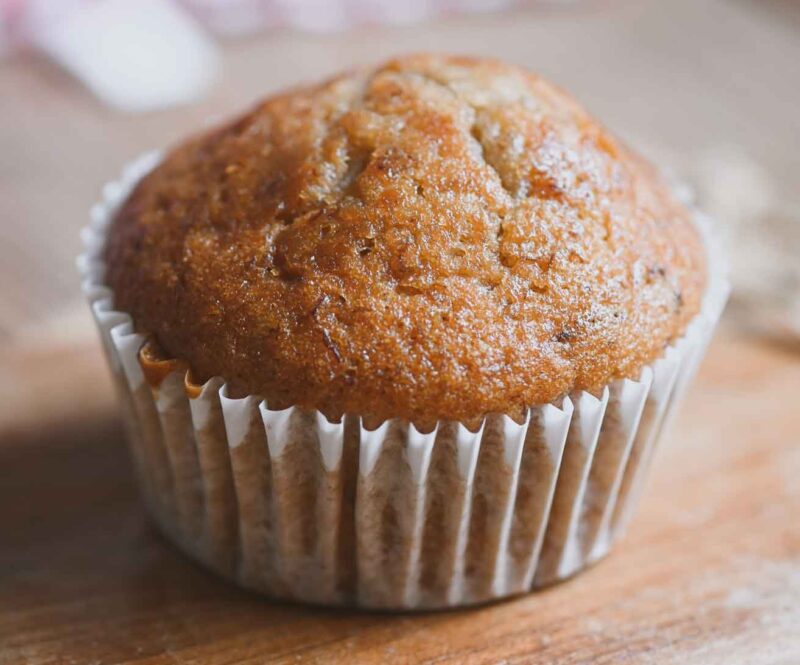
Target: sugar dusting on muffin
[[435, 238]]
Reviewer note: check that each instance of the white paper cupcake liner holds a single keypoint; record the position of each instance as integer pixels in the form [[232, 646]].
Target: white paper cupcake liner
[[292, 505]]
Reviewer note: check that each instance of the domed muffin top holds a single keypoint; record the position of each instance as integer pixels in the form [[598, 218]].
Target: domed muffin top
[[434, 238]]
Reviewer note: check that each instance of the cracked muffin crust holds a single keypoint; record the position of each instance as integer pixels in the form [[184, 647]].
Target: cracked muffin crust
[[435, 238]]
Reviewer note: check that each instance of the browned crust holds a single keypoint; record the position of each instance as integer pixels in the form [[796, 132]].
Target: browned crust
[[434, 238]]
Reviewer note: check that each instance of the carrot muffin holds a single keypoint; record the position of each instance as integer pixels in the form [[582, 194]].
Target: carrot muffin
[[448, 252]]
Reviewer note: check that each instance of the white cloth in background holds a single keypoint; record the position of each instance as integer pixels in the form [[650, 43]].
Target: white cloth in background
[[135, 56]]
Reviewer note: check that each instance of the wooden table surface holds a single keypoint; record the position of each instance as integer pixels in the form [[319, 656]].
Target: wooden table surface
[[710, 571]]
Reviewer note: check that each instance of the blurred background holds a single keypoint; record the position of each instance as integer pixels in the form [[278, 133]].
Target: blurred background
[[709, 89]]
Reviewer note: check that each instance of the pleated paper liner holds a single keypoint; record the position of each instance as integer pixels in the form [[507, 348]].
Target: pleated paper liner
[[292, 505]]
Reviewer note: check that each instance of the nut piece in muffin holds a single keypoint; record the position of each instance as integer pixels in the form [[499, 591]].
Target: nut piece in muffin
[[434, 238]]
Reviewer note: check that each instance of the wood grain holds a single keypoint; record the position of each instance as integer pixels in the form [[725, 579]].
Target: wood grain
[[710, 572]]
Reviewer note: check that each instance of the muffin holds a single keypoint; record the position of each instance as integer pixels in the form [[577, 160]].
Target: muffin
[[403, 339]]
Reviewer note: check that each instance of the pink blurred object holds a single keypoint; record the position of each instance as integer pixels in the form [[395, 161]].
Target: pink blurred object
[[139, 55], [248, 16], [235, 17]]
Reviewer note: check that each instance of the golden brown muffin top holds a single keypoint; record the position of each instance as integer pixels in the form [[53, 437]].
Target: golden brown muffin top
[[437, 237]]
